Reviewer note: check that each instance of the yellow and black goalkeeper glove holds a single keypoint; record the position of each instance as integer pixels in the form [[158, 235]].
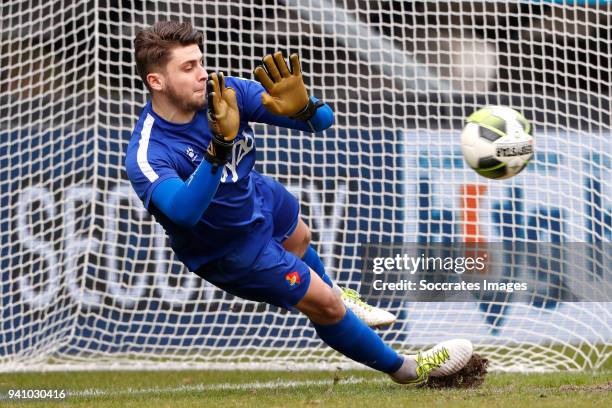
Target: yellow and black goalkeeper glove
[[223, 119], [287, 94]]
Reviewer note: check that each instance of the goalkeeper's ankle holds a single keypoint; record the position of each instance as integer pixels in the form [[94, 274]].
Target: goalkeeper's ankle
[[407, 372]]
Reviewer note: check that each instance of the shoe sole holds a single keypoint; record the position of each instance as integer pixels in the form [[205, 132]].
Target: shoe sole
[[382, 325]]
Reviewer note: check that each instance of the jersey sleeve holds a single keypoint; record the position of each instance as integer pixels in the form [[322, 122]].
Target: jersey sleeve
[[148, 164]]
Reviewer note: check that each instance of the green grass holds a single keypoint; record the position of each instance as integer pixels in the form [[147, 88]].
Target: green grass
[[342, 389]]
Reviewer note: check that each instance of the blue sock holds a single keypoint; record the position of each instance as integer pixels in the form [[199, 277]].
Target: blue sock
[[312, 259], [351, 337]]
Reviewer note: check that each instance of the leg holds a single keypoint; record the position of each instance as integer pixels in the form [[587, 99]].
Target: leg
[[320, 303], [347, 334], [299, 240], [298, 244], [344, 332], [272, 275]]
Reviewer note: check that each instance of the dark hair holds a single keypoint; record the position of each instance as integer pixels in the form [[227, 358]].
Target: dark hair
[[153, 45]]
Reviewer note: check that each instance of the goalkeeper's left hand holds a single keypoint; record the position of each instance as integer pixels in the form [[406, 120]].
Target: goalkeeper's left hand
[[287, 94]]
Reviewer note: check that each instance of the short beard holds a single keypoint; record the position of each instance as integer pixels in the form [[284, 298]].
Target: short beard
[[181, 103]]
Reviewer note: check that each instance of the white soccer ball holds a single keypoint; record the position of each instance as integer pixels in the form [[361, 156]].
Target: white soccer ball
[[497, 142]]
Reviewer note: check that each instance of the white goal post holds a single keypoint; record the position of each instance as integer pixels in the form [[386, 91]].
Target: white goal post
[[87, 279]]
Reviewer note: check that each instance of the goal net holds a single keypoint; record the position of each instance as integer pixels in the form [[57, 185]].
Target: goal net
[[88, 281]]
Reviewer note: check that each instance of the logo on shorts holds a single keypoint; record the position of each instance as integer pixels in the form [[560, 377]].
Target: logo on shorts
[[293, 279]]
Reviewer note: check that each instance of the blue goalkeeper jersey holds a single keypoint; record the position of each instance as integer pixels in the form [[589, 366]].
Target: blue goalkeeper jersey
[[159, 150]]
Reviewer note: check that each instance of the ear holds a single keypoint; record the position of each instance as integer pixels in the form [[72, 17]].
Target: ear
[[156, 81]]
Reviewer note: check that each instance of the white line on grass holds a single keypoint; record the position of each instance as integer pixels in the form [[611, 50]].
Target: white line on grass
[[219, 387]]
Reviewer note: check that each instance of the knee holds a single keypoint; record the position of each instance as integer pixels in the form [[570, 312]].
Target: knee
[[305, 241], [299, 241], [331, 310]]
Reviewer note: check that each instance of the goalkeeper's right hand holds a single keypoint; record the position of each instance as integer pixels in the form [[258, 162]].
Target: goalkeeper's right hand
[[223, 119]]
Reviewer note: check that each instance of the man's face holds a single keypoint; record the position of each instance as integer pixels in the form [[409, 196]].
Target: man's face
[[185, 79]]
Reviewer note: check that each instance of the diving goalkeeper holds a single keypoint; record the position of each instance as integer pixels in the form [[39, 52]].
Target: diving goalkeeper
[[190, 160]]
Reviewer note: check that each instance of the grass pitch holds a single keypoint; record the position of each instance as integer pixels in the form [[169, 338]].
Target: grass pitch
[[303, 389]]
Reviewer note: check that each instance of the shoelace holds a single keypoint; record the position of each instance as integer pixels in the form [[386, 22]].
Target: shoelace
[[353, 295], [426, 364]]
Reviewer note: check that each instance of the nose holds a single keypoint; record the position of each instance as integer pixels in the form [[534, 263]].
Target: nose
[[202, 75]]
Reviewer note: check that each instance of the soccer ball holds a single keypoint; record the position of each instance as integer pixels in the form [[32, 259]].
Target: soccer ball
[[497, 142]]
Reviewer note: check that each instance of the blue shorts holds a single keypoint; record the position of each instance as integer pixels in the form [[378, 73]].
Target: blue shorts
[[258, 268]]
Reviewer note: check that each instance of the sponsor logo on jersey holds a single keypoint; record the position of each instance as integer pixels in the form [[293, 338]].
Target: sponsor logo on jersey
[[241, 149]]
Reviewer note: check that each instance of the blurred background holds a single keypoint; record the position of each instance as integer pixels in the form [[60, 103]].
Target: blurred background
[[437, 59]]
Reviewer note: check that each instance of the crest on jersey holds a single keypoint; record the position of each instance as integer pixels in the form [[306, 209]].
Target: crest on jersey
[[293, 279], [191, 154]]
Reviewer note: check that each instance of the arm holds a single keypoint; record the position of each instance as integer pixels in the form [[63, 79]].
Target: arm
[[286, 102], [185, 202]]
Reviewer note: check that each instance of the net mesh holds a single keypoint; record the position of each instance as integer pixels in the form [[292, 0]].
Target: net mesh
[[88, 280]]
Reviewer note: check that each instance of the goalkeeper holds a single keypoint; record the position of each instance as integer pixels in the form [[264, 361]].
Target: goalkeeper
[[190, 160]]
